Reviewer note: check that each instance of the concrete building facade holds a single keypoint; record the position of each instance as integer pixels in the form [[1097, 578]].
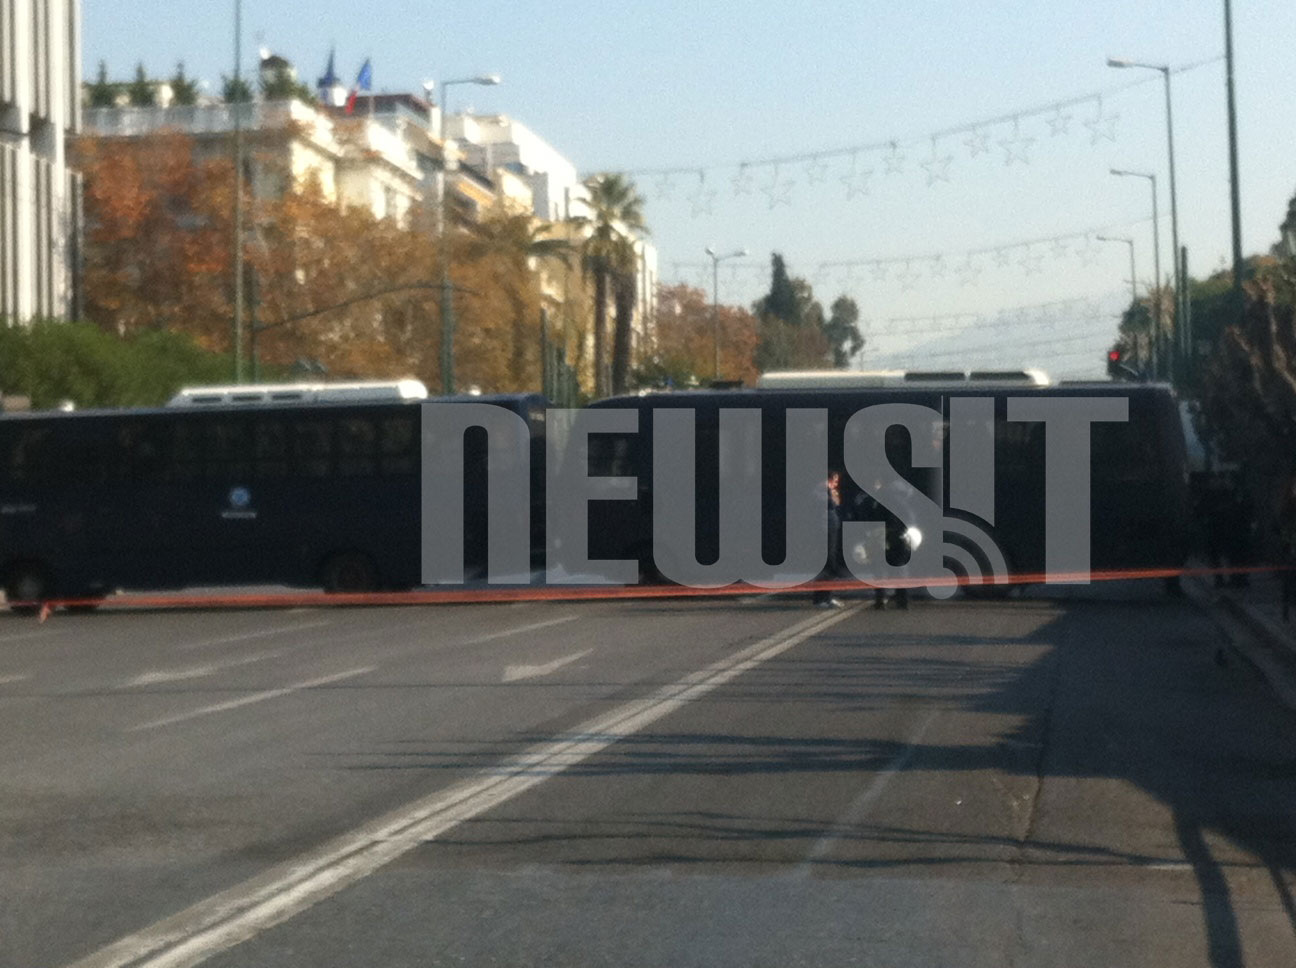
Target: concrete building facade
[[40, 92]]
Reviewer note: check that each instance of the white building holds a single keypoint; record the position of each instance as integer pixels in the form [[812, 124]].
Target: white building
[[493, 142], [40, 92]]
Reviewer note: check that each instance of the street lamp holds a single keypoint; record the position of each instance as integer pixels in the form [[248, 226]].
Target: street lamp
[[716, 259], [1157, 362], [447, 295], [1133, 282], [1181, 297]]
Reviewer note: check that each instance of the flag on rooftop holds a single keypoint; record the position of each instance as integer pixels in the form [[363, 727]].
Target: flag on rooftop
[[363, 82]]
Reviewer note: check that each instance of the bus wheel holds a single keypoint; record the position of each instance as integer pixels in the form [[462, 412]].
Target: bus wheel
[[29, 583], [349, 572]]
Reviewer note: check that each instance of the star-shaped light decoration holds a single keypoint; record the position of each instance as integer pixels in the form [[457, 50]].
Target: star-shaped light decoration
[[816, 170], [879, 270], [1015, 147], [968, 271], [778, 190], [907, 277], [893, 162], [937, 267], [978, 142], [1059, 248], [1002, 257], [856, 179], [1031, 262], [1102, 127], [702, 198], [937, 166], [1058, 123], [665, 187], [742, 180], [1088, 252]]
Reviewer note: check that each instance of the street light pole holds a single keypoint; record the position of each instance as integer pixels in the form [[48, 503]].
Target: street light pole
[[1234, 191], [1160, 365], [447, 287], [1181, 296], [237, 107], [715, 303], [1138, 356]]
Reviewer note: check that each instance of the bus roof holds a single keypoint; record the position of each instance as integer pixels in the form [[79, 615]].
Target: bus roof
[[846, 379], [281, 393]]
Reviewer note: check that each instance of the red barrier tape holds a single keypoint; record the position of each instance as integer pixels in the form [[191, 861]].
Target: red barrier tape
[[581, 593]]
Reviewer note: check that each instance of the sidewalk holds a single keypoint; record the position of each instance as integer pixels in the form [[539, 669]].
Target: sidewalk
[[1255, 611]]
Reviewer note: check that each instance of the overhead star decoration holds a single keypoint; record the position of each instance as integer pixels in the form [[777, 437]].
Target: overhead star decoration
[[664, 187], [968, 272], [907, 278], [1058, 123], [702, 197], [1060, 248], [879, 271], [1002, 257], [778, 190], [1102, 127], [937, 166], [937, 268], [1016, 146], [894, 160], [1032, 262], [978, 142], [856, 180], [1089, 251], [816, 170], [742, 180]]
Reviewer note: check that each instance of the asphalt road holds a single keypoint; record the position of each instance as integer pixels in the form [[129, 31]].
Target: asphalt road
[[1064, 781]]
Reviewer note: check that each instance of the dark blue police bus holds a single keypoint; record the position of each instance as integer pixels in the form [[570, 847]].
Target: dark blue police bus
[[306, 486]]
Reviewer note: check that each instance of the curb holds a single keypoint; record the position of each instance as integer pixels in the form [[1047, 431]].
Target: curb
[[1269, 648]]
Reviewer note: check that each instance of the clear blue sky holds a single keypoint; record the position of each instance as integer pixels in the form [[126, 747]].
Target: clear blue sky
[[709, 85]]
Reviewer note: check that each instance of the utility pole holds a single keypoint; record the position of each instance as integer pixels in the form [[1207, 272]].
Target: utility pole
[[1238, 301], [237, 108]]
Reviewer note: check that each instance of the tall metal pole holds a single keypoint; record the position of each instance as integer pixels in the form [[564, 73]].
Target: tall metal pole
[[1163, 368], [1179, 280], [1233, 162], [237, 108], [447, 291], [715, 315]]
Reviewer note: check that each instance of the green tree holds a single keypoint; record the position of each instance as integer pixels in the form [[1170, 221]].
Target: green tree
[[281, 85], [184, 91], [141, 91], [235, 90], [791, 323], [103, 93], [842, 330], [616, 209]]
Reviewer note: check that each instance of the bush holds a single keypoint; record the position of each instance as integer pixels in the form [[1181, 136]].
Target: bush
[[51, 361]]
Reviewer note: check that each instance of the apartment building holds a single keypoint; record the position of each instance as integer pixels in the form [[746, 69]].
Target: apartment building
[[40, 84]]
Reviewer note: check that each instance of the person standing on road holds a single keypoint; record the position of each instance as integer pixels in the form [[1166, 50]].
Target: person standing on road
[[833, 565]]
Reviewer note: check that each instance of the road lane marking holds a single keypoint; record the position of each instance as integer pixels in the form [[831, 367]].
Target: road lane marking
[[854, 813], [247, 700], [43, 633], [259, 634], [20, 677], [518, 630], [194, 672], [226, 919], [515, 672]]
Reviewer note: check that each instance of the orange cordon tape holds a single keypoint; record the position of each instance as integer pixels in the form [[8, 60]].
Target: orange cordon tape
[[581, 593]]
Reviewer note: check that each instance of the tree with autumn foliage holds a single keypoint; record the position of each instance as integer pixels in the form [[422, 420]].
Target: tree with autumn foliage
[[685, 340]]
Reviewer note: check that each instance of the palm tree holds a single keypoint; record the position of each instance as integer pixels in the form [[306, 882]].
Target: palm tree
[[616, 215], [515, 243], [624, 290]]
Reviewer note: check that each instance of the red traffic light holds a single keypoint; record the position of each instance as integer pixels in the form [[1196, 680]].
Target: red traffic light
[[1113, 356]]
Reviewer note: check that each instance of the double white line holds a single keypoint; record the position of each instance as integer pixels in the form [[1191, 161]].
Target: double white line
[[233, 916]]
